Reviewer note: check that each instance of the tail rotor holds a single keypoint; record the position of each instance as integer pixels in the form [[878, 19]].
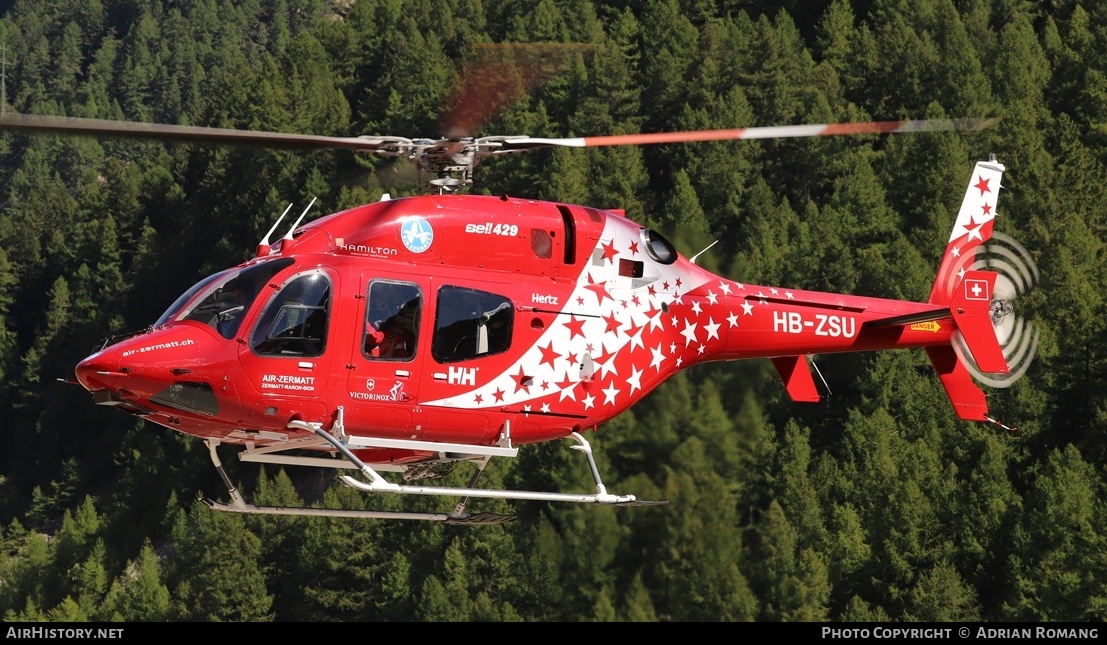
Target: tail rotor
[[1018, 337]]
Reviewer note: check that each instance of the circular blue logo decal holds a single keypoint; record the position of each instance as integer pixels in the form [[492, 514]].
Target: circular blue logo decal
[[417, 234]]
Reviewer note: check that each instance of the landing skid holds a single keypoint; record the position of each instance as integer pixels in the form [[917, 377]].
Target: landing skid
[[377, 484], [447, 518]]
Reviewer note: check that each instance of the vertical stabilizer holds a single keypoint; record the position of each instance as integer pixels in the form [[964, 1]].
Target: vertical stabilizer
[[972, 228]]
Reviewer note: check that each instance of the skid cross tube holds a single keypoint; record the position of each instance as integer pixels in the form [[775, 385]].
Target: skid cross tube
[[479, 455], [239, 505], [378, 484]]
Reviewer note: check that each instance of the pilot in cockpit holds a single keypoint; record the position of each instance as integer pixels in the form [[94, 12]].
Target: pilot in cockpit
[[393, 337], [234, 300]]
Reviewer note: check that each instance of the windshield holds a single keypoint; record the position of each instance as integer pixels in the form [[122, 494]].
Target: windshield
[[222, 300], [186, 296]]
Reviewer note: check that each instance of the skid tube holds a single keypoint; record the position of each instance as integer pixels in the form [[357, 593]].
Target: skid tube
[[377, 484]]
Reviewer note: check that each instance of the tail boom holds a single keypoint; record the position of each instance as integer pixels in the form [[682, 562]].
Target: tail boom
[[787, 326]]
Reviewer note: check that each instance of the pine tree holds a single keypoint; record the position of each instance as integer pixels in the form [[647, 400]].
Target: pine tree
[[1077, 325], [791, 580], [92, 580], [795, 491], [446, 598], [215, 575], [637, 605], [68, 611], [697, 562], [941, 595], [1058, 558], [138, 594]]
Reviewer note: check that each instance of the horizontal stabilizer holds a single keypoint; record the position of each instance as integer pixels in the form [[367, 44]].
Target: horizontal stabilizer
[[796, 375]]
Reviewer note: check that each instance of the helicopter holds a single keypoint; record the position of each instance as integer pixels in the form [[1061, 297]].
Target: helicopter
[[405, 336]]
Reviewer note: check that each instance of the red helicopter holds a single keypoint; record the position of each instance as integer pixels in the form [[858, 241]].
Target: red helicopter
[[407, 335]]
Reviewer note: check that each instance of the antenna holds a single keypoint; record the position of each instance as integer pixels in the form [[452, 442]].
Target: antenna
[[819, 372], [288, 235], [693, 258], [263, 246]]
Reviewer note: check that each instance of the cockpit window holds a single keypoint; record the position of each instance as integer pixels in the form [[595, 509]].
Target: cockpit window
[[471, 323], [227, 296], [294, 323], [187, 296], [392, 320]]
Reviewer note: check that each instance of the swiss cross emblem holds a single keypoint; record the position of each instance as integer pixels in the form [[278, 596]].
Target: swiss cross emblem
[[976, 290]]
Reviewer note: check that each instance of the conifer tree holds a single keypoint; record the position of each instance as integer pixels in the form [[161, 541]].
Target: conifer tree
[[138, 594], [215, 574], [1058, 557]]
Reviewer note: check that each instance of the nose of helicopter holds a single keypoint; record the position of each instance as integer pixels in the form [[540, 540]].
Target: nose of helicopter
[[141, 367], [99, 371]]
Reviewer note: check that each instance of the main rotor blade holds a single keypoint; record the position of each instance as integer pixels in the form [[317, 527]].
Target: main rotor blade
[[518, 144], [495, 75], [35, 123]]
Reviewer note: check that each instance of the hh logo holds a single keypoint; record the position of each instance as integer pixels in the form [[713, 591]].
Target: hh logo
[[976, 290], [462, 376]]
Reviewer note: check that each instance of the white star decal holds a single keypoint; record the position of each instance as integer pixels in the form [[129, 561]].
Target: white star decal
[[712, 298], [773, 291], [789, 294], [609, 394], [732, 319], [700, 350], [608, 367], [589, 401], [956, 252], [741, 286], [658, 357], [712, 328], [696, 307], [747, 308], [568, 393], [961, 273], [724, 287], [689, 332], [545, 407], [635, 379], [636, 340]]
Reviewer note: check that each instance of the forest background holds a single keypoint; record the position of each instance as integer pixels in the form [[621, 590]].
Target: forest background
[[877, 504]]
